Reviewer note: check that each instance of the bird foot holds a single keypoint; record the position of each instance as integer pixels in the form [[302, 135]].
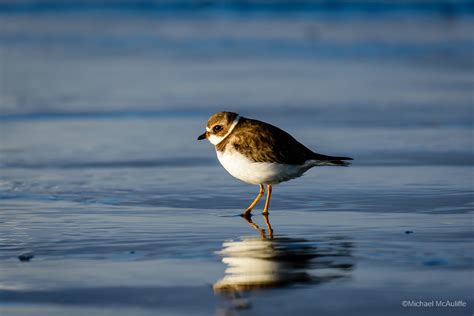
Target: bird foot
[[246, 215]]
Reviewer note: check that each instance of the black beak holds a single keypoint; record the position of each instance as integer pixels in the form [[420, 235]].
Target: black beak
[[202, 136]]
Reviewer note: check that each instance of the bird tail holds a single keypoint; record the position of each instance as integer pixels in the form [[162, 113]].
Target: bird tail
[[323, 160]]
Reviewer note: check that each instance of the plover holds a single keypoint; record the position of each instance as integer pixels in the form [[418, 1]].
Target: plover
[[259, 153]]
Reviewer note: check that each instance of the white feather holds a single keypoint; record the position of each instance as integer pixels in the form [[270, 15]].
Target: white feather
[[252, 172]]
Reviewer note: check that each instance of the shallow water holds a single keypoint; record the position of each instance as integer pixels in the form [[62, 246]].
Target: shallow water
[[103, 181]]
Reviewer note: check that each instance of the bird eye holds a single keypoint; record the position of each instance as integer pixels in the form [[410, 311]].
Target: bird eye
[[217, 128]]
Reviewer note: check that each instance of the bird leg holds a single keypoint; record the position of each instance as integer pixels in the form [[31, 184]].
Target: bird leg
[[267, 202], [246, 213]]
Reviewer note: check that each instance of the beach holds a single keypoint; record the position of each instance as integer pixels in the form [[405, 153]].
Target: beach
[[119, 210]]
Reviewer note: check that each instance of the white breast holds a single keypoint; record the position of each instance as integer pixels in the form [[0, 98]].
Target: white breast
[[252, 172]]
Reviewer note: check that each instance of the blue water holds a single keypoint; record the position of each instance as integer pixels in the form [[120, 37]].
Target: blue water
[[102, 179]]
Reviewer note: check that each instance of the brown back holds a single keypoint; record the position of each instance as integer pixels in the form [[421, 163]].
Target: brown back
[[262, 142]]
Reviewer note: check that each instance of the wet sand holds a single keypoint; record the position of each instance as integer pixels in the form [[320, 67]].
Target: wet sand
[[102, 180], [117, 260], [130, 238]]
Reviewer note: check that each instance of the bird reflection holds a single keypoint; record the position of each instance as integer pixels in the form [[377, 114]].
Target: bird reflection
[[277, 261], [262, 232]]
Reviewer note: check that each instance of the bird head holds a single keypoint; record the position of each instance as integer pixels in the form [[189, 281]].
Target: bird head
[[219, 125]]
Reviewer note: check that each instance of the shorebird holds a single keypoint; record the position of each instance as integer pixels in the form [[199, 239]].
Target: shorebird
[[260, 153]]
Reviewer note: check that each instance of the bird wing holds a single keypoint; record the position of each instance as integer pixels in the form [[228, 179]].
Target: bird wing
[[263, 142]]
